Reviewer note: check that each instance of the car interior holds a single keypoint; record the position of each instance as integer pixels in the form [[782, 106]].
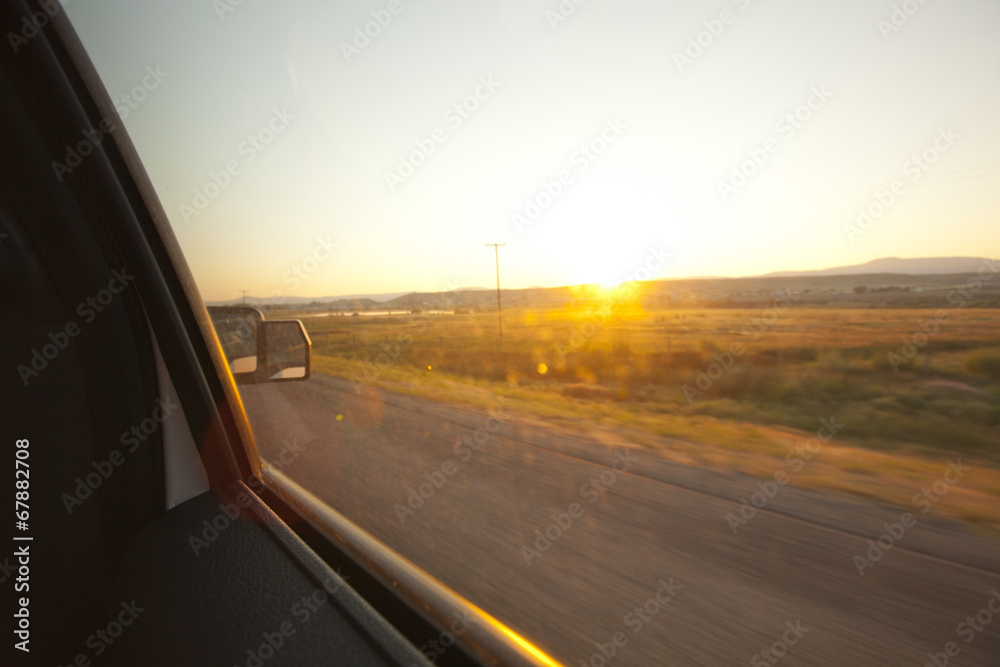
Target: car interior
[[187, 542]]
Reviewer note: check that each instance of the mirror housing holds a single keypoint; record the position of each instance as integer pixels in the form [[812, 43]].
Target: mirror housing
[[259, 351]]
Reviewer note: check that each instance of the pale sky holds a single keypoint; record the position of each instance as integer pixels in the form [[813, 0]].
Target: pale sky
[[676, 131]]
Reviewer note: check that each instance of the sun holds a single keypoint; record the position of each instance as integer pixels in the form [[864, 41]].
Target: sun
[[610, 284]]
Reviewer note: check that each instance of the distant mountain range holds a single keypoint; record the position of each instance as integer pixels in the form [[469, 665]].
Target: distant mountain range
[[886, 265], [359, 299], [917, 267], [351, 301]]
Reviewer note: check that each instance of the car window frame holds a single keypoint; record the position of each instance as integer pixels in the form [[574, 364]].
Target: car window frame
[[416, 603]]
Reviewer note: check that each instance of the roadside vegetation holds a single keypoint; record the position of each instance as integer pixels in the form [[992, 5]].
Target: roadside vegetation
[[727, 387]]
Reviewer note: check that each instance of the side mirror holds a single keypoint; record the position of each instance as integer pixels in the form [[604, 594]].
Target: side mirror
[[286, 350], [261, 351]]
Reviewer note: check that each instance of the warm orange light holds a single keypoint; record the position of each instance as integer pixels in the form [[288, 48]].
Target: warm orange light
[[528, 646], [543, 369], [536, 652]]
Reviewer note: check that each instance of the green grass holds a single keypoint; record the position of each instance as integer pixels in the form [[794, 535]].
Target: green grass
[[985, 363]]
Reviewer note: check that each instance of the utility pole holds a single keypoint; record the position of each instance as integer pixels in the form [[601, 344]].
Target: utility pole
[[496, 252], [245, 292]]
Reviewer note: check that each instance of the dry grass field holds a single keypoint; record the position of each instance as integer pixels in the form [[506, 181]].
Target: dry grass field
[[738, 388]]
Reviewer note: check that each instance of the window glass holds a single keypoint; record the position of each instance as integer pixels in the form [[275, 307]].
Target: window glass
[[666, 333]]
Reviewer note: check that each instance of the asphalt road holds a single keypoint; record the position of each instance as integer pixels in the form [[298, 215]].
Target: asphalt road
[[787, 582]]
